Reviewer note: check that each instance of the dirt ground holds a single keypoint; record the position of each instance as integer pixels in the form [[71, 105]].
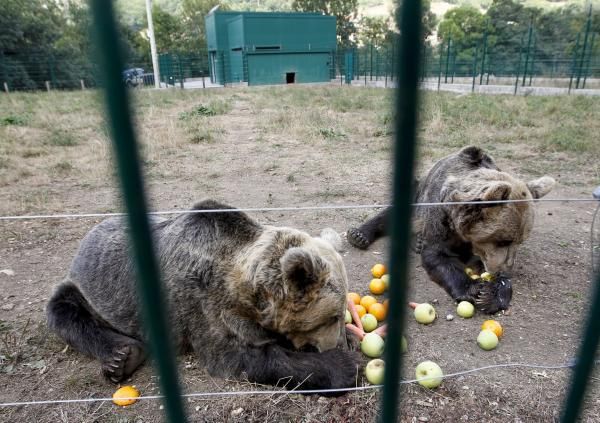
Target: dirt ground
[[299, 146]]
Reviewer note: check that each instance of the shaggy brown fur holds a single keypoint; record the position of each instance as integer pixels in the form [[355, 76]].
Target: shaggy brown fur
[[248, 299], [482, 236]]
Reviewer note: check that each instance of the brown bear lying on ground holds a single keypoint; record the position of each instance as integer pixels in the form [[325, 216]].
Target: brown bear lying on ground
[[450, 238], [252, 300]]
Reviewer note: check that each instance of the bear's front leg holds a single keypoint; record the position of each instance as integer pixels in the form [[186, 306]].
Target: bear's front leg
[[448, 271], [274, 365]]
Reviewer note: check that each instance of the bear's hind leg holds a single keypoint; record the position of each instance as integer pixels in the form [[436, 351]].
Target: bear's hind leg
[[370, 231], [72, 318]]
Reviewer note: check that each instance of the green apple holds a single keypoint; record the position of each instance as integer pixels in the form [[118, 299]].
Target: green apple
[[348, 317], [369, 322], [487, 340], [425, 313], [487, 276], [386, 280], [403, 345], [372, 345], [374, 371], [429, 374], [465, 309]]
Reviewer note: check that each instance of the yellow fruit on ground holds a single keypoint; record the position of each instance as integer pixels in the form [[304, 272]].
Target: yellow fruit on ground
[[366, 301], [377, 286], [361, 310], [354, 297], [494, 326], [125, 395], [378, 270], [378, 310], [386, 280]]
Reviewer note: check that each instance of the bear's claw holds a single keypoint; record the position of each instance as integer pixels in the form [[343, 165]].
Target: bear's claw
[[357, 239], [123, 362]]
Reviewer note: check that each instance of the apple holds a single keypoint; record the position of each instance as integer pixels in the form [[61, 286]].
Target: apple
[[487, 276], [386, 280], [347, 317], [374, 371], [465, 309], [403, 345], [372, 345], [369, 322], [487, 340], [429, 374], [425, 313]]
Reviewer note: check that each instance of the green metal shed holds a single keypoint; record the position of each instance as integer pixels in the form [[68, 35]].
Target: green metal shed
[[270, 48]]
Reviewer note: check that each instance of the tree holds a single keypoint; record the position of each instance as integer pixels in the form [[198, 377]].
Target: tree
[[374, 30], [192, 14], [428, 18], [345, 12], [465, 26]]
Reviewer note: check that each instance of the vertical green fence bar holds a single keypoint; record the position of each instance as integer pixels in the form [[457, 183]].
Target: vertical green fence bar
[[409, 49], [154, 312]]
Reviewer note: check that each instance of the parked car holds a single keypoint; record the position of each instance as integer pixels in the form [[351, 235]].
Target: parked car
[[133, 77]]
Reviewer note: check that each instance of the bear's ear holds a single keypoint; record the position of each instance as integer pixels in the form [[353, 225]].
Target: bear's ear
[[471, 154], [540, 187], [301, 268], [496, 191]]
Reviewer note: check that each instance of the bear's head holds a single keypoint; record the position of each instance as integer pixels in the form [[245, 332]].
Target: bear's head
[[494, 231], [299, 285]]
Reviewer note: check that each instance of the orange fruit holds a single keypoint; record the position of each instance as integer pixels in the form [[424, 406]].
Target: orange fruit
[[378, 270], [354, 297], [377, 286], [378, 310], [366, 301], [361, 310], [494, 326], [122, 395]]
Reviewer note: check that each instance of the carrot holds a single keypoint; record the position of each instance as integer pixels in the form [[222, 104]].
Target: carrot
[[413, 305], [381, 331], [356, 331], [354, 314]]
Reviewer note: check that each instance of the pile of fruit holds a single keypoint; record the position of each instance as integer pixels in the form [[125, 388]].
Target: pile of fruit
[[365, 315]]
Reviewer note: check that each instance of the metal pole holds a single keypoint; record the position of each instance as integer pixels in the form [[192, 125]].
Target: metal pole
[[519, 66], [409, 50], [440, 66], [474, 68], [153, 52], [574, 62], [180, 69], [533, 59], [585, 40], [371, 62], [447, 58], [5, 87], [589, 61], [485, 35], [154, 312], [527, 51], [453, 66]]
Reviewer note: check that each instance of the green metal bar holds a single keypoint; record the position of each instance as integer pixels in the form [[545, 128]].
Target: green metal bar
[[585, 361], [440, 66], [533, 59], [154, 311], [574, 62], [474, 68], [519, 66], [527, 51], [449, 46], [409, 49], [585, 40], [485, 35], [589, 60]]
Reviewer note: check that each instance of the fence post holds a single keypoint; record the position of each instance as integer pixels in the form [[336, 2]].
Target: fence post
[[532, 68], [180, 69], [453, 66], [82, 83], [47, 83], [405, 149], [585, 40], [153, 310], [448, 47], [440, 66], [574, 62], [589, 61], [484, 52], [51, 71], [530, 34], [474, 68], [371, 62], [5, 87], [519, 65]]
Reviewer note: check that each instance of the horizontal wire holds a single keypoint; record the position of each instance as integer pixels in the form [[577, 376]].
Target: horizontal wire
[[288, 392], [306, 208]]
